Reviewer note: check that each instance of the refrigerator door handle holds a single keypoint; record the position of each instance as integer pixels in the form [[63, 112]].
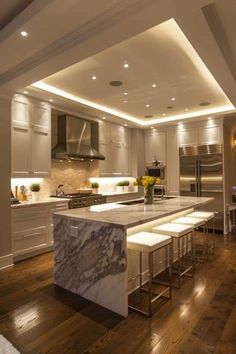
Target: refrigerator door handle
[[199, 177], [196, 178]]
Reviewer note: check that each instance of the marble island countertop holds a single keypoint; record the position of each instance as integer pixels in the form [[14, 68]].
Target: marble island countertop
[[128, 216], [41, 201]]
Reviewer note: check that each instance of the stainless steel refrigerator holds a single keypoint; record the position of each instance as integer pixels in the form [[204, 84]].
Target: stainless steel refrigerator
[[201, 174]]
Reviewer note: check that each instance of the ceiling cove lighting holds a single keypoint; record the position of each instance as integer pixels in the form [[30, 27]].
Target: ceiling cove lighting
[[24, 33], [54, 90]]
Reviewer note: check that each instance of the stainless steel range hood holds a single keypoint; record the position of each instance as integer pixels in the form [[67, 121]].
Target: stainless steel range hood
[[77, 140]]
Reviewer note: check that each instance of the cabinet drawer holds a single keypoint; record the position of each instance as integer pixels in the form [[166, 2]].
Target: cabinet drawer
[[29, 240], [25, 224], [59, 207]]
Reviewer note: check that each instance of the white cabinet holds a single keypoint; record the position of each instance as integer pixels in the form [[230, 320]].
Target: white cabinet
[[31, 138], [208, 132], [32, 228], [155, 147], [114, 144]]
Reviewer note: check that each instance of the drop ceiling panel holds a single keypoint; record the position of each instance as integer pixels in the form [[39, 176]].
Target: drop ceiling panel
[[161, 56]]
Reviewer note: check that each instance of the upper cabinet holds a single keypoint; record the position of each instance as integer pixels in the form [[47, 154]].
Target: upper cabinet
[[208, 132], [114, 144], [31, 138], [155, 147]]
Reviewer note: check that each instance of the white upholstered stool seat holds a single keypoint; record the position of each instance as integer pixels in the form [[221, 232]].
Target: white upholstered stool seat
[[171, 229], [194, 222], [202, 215], [147, 241]]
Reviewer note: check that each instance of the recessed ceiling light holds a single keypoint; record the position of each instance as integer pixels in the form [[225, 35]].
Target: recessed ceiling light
[[24, 33], [154, 85], [51, 100], [147, 105], [126, 65], [125, 125], [180, 123], [116, 83], [169, 107], [186, 109], [26, 92], [103, 117], [125, 101], [125, 93], [163, 114], [173, 99], [94, 77], [152, 127]]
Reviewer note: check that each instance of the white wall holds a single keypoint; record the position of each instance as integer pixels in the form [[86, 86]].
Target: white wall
[[6, 257]]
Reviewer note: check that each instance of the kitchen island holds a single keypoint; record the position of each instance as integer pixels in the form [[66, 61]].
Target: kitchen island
[[90, 253]]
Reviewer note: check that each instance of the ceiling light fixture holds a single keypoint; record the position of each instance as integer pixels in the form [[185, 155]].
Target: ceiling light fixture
[[125, 101], [61, 93], [186, 109], [126, 65], [147, 105], [115, 83], [173, 99], [125, 125], [163, 114], [94, 77], [125, 93], [26, 92], [154, 85], [51, 100], [24, 33], [103, 117]]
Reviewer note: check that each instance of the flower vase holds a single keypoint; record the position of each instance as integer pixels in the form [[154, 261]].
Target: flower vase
[[148, 195]]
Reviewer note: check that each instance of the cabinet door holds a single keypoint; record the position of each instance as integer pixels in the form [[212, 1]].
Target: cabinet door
[[188, 137], [149, 147], [160, 147], [21, 151], [210, 135], [20, 112], [104, 133], [41, 141]]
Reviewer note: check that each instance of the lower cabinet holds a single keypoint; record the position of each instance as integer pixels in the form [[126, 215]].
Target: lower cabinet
[[32, 229]]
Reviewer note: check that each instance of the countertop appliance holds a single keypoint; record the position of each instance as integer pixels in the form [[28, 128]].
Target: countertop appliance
[[79, 200], [201, 174]]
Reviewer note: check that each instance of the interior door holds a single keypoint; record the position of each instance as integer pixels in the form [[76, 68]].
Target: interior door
[[188, 176], [211, 185]]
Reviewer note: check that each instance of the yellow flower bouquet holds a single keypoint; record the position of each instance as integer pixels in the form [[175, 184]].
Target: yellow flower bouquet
[[147, 182]]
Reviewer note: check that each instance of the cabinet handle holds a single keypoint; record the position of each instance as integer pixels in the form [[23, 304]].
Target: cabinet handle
[[32, 235]]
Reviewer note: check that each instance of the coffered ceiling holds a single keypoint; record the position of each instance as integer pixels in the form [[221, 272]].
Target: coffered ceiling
[[174, 63]]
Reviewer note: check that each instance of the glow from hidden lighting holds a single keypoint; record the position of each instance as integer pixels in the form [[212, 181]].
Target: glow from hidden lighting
[[24, 33], [25, 181], [158, 120]]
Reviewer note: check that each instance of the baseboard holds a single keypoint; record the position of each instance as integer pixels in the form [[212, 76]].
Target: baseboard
[[6, 261], [32, 253]]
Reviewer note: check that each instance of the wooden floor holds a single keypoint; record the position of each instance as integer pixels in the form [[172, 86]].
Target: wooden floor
[[37, 317]]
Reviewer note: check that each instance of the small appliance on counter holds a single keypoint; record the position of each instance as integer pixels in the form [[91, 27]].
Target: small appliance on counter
[[14, 200]]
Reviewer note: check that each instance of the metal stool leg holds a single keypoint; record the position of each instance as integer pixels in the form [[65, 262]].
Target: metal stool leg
[[150, 264]]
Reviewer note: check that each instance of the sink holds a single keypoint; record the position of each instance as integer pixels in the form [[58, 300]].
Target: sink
[[141, 200]]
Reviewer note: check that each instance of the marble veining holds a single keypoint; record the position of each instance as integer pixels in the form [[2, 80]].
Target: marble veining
[[89, 259]]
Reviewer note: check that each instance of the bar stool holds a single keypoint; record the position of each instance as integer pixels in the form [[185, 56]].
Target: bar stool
[[179, 232], [149, 243], [208, 216], [195, 223]]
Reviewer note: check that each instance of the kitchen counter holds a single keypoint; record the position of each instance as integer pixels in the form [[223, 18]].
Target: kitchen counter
[[127, 216], [90, 251], [39, 202]]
